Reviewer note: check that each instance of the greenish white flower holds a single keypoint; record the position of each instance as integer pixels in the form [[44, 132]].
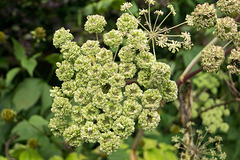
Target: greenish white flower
[[151, 99], [123, 126], [72, 135], [148, 120], [104, 56], [90, 112], [70, 51], [90, 48], [127, 69], [113, 38], [95, 24], [90, 132], [131, 108], [65, 70], [109, 142], [127, 53], [126, 22], [145, 59], [61, 37], [133, 91], [57, 125]]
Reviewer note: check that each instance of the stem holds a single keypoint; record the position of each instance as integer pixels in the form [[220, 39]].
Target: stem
[[115, 53], [220, 104], [162, 21], [96, 36], [175, 26], [138, 21], [133, 155], [7, 144], [227, 44], [196, 59]]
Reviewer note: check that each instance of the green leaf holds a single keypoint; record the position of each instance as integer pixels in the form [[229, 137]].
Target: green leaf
[[48, 149], [19, 51], [17, 150], [26, 130], [56, 158], [30, 154], [38, 121], [3, 158], [46, 99], [27, 93], [53, 58], [11, 74], [36, 55], [190, 54], [134, 9], [29, 64], [149, 143], [75, 156]]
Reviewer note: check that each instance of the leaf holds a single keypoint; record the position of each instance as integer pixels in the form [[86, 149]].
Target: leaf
[[18, 50], [29, 64], [56, 158], [27, 93], [149, 143], [17, 150], [53, 58], [46, 99], [30, 154], [48, 149], [11, 74], [25, 130], [38, 121], [134, 9], [190, 54], [3, 158], [75, 156], [36, 55]]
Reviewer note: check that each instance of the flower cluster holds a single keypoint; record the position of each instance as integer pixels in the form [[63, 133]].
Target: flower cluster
[[225, 28], [95, 24], [8, 115], [204, 16], [39, 33], [194, 145], [2, 37], [234, 61], [100, 100], [212, 117], [229, 7], [156, 34], [212, 58]]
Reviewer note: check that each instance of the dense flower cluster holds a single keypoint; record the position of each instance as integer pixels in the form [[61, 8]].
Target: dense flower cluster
[[229, 6], [204, 16], [234, 61], [8, 115], [39, 33], [100, 100], [195, 145], [2, 37], [213, 118], [212, 58], [225, 28]]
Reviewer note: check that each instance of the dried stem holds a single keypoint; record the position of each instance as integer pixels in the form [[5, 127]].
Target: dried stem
[[220, 104], [7, 144]]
